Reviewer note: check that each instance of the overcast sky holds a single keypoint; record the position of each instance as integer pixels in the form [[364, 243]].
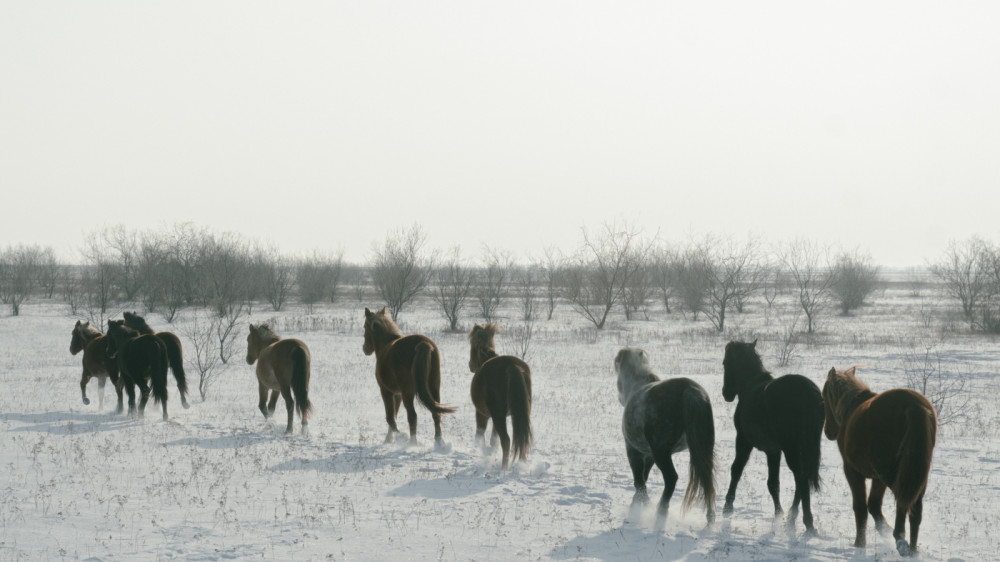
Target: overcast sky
[[325, 125]]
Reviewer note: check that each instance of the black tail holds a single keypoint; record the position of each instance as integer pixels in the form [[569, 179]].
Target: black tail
[[300, 382], [810, 434], [424, 362], [176, 359], [158, 363], [699, 427], [914, 457], [519, 402]]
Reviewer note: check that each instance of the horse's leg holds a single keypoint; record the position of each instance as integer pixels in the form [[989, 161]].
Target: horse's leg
[[144, 392], [875, 497], [435, 389], [500, 427], [262, 402], [119, 386], [856, 481], [494, 437], [801, 494], [666, 465], [773, 479], [130, 389], [641, 465], [743, 450], [101, 383], [481, 422], [286, 393], [83, 386], [411, 417], [390, 401], [916, 515], [272, 404]]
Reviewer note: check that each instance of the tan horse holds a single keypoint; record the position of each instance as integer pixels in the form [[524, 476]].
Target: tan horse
[[96, 363], [405, 367], [282, 366], [174, 351], [887, 437], [500, 387]]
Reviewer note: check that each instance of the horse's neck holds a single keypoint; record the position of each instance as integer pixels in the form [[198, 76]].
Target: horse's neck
[[851, 400], [757, 378], [632, 384]]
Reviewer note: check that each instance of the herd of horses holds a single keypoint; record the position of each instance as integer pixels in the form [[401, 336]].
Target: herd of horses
[[888, 437]]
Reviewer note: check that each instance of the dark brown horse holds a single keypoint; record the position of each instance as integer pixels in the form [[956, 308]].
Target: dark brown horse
[[96, 362], [775, 415], [142, 361], [662, 418], [405, 367], [283, 366], [174, 350], [887, 437], [500, 387]]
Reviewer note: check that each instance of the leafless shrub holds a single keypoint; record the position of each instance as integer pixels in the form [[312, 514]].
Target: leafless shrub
[[807, 263], [19, 269], [318, 278], [552, 270], [855, 278], [493, 283], [788, 342], [736, 273], [202, 335], [694, 274], [946, 390], [400, 270], [965, 270], [518, 339], [453, 288]]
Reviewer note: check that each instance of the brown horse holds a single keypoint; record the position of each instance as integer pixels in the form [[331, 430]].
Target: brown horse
[[142, 361], [888, 437], [96, 363], [405, 367], [500, 387], [282, 366], [174, 351]]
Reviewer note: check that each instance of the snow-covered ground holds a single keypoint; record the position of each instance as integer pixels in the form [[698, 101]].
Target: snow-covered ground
[[218, 482]]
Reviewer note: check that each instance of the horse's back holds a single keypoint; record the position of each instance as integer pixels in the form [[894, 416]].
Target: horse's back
[[280, 353], [402, 351], [876, 429], [491, 380]]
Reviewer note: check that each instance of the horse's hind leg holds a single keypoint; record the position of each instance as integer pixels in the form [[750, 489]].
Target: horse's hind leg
[[101, 383], [262, 403], [773, 480], [272, 404], [481, 421], [500, 427], [391, 403], [641, 465], [743, 450], [801, 494], [411, 417], [666, 465], [875, 504], [119, 382], [83, 386], [916, 515], [286, 392], [857, 484]]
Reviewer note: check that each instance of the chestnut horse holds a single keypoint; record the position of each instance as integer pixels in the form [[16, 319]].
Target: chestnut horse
[[500, 387], [888, 437], [142, 361], [405, 367], [174, 351], [96, 363], [662, 418], [775, 415], [283, 365]]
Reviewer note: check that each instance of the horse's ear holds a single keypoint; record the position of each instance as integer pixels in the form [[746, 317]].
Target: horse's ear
[[382, 311], [832, 373], [851, 371], [368, 313], [754, 344]]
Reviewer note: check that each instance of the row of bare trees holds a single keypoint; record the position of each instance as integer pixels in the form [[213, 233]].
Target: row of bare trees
[[970, 272]]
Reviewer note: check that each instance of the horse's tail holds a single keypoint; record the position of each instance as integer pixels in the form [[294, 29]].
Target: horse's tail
[[519, 402], [699, 428], [175, 357], [158, 364], [914, 456], [810, 435], [300, 381], [426, 362]]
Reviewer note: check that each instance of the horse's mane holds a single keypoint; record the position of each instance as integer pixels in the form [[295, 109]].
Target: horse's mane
[[137, 323], [266, 333], [747, 356], [120, 324], [386, 326], [845, 392], [86, 330], [482, 336]]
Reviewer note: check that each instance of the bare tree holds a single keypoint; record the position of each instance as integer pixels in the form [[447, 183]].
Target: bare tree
[[19, 268], [123, 246], [276, 275], [694, 277], [400, 270], [48, 272], [808, 265], [98, 279], [318, 278], [855, 278], [736, 273], [665, 270], [494, 282], [965, 272], [454, 287], [946, 390], [552, 269], [527, 279], [604, 267], [202, 335], [638, 291]]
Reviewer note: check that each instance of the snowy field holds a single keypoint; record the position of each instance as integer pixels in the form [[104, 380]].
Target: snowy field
[[218, 482]]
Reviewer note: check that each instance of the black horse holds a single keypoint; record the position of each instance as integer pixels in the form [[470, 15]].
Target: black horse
[[142, 361], [775, 415], [175, 352], [662, 418]]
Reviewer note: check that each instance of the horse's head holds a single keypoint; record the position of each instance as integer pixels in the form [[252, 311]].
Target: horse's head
[[838, 383], [116, 332], [378, 327], [136, 322], [259, 337], [78, 342], [481, 345], [741, 359], [632, 368]]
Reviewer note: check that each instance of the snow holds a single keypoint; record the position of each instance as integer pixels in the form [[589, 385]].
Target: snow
[[219, 482]]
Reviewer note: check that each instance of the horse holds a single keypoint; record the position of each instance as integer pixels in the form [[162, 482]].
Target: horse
[[142, 361], [501, 386], [775, 415], [174, 351], [405, 367], [283, 366], [96, 363], [663, 417], [887, 437]]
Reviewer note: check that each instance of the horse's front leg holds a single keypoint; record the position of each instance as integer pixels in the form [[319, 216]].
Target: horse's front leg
[[101, 383], [481, 421], [272, 404], [640, 465], [773, 479], [83, 386], [743, 450], [666, 465], [119, 382], [856, 481], [262, 403], [144, 393], [130, 388], [389, 401]]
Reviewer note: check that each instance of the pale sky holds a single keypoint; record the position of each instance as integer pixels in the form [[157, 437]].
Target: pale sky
[[325, 125]]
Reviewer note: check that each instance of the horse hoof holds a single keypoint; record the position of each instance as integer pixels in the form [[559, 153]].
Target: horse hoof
[[902, 547], [185, 404], [727, 510], [86, 401]]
